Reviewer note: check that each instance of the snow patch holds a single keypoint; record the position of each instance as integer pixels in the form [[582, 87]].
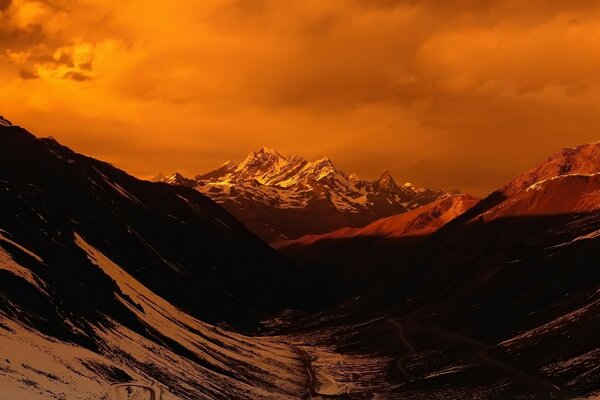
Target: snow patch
[[23, 249], [266, 360], [8, 264], [540, 184]]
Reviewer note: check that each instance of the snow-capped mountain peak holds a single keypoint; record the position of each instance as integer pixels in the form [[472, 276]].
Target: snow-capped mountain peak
[[262, 161], [174, 179], [386, 181], [283, 197], [323, 168]]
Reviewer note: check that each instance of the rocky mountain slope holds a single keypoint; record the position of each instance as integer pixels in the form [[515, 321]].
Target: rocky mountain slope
[[281, 197], [116, 288], [502, 302], [113, 284], [581, 160], [420, 221]]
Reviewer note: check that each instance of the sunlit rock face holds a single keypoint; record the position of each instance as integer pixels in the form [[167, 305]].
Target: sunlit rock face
[[280, 197]]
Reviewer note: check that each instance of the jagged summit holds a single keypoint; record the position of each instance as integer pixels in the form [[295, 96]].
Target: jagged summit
[[175, 179], [159, 178], [264, 153], [179, 179], [261, 162], [280, 197], [386, 181], [268, 150]]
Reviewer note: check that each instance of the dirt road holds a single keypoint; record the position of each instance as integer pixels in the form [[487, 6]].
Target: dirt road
[[127, 391], [480, 354]]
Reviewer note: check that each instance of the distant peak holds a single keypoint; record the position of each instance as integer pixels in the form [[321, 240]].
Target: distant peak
[[264, 153], [268, 150], [177, 179], [261, 160], [386, 174], [158, 178], [324, 160], [4, 121], [386, 180], [176, 175]]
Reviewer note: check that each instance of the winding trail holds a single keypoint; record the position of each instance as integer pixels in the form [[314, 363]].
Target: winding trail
[[118, 391], [410, 350], [481, 355]]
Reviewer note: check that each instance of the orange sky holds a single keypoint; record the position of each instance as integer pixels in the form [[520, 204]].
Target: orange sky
[[453, 93]]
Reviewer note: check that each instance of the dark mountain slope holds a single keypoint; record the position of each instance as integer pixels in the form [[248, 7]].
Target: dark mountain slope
[[106, 282], [351, 258], [173, 239], [503, 302]]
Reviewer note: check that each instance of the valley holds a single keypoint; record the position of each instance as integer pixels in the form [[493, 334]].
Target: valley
[[112, 287]]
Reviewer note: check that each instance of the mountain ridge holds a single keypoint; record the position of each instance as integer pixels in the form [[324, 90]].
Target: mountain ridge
[[582, 159], [280, 197], [78, 181], [420, 221], [112, 283], [563, 183]]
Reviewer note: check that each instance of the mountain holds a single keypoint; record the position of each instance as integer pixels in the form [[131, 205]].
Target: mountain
[[581, 160], [175, 179], [281, 197], [108, 282], [420, 221], [564, 183], [502, 302], [53, 192], [117, 288]]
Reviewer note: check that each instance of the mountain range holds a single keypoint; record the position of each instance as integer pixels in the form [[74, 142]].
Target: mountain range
[[113, 287], [281, 198]]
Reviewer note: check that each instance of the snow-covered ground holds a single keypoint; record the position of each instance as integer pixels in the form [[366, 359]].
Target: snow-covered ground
[[217, 363]]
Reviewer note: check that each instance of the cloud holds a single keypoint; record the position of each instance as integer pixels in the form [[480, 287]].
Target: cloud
[[76, 76], [53, 39], [459, 93], [26, 74]]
